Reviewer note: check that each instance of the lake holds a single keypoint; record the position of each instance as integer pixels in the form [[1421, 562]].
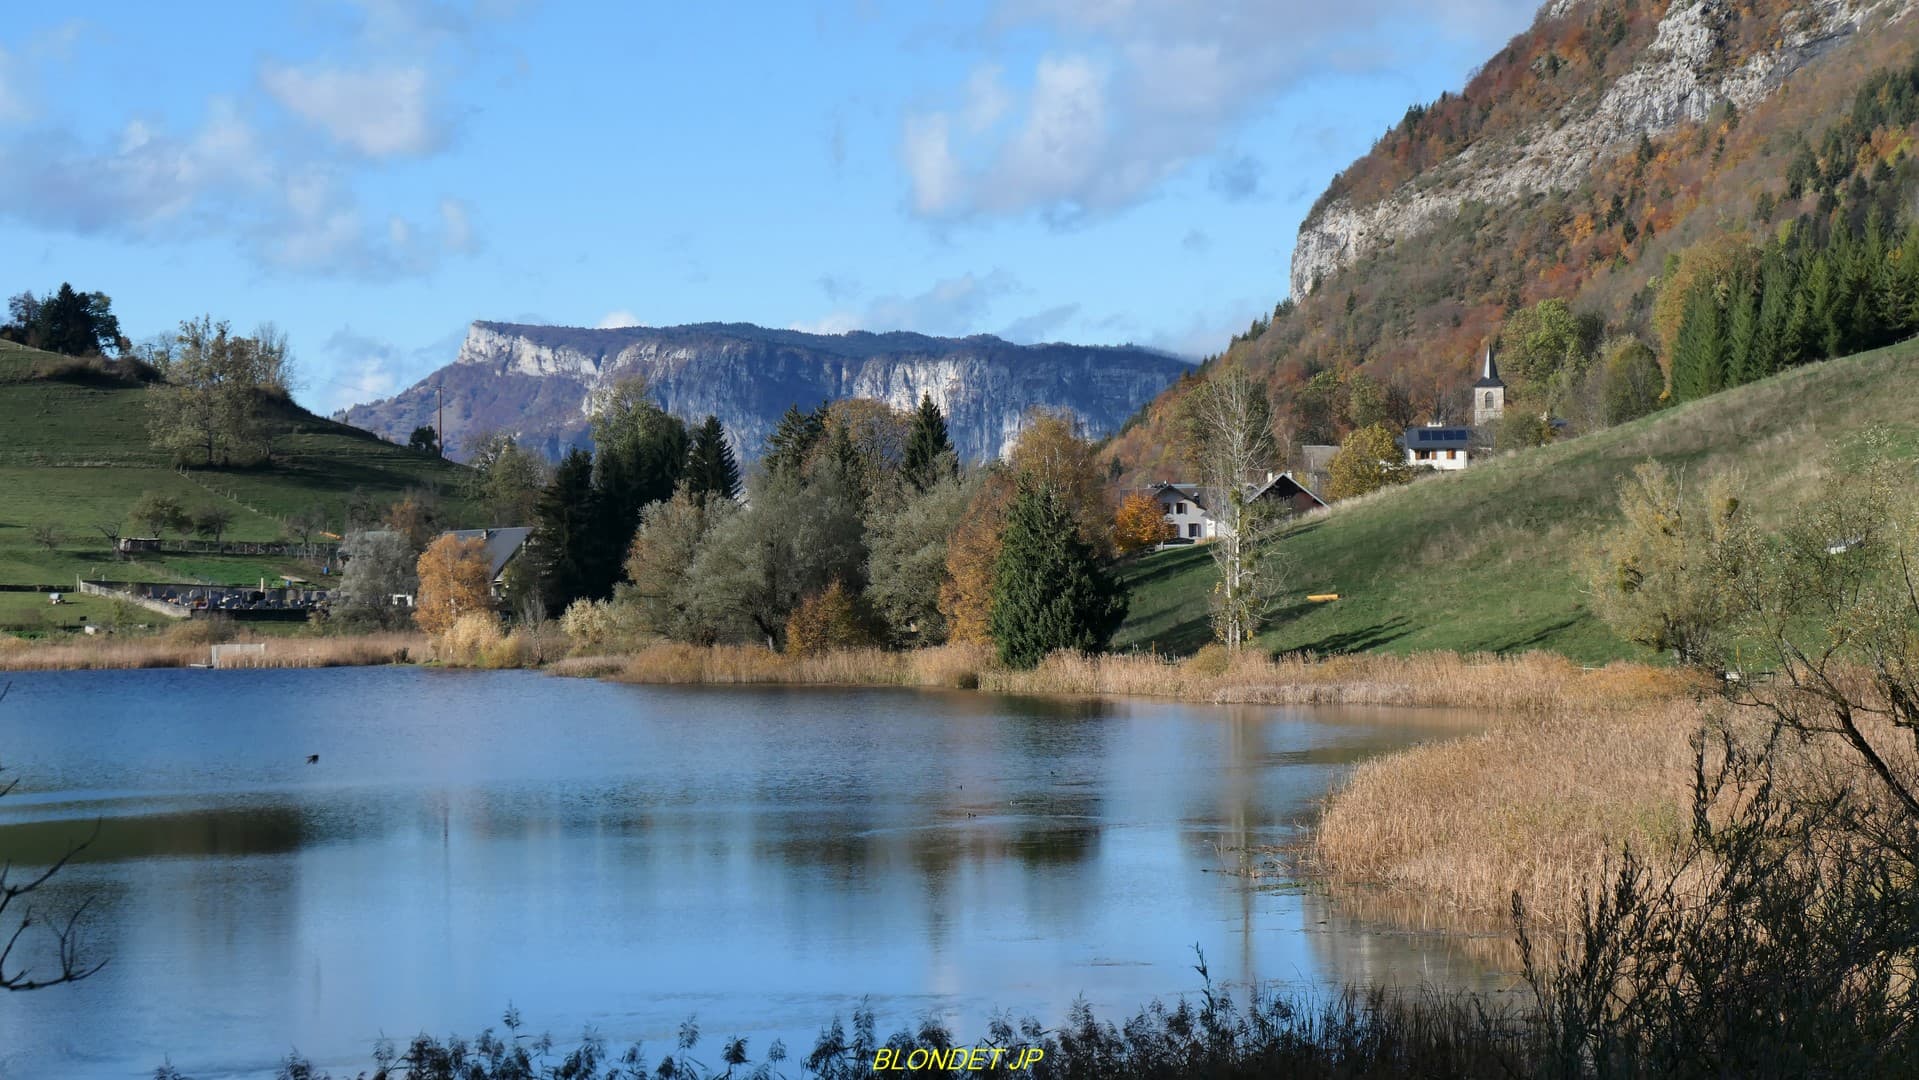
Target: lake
[[624, 857]]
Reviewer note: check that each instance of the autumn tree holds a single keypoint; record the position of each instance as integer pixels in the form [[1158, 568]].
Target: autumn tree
[[455, 580], [1631, 381], [1051, 453], [972, 559], [1140, 523], [827, 620], [415, 515], [1368, 460], [1545, 348]]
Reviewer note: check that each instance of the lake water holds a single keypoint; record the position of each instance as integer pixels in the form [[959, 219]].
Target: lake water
[[624, 857]]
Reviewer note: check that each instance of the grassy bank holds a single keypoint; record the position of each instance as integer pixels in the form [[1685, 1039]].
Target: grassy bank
[[1486, 560], [76, 455]]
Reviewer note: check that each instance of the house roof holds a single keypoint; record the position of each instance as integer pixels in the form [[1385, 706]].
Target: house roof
[[1189, 492], [1285, 487], [1489, 374], [501, 544], [1437, 438]]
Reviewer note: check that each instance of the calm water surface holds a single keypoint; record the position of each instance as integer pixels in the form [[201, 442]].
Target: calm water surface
[[622, 857]]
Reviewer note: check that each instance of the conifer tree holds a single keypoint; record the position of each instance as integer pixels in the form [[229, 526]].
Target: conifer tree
[[1051, 590], [1744, 363], [929, 451], [564, 539], [710, 466], [793, 441], [1698, 355]]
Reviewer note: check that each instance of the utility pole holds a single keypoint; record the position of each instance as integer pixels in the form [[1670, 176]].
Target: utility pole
[[439, 428]]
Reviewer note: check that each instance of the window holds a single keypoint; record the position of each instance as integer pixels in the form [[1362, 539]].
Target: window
[[1181, 509], [1489, 399], [1167, 507], [1192, 531], [1451, 454]]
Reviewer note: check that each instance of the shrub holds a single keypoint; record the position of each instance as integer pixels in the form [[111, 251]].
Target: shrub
[[830, 619]]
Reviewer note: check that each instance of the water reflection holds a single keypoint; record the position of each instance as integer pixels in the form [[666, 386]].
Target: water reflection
[[623, 857]]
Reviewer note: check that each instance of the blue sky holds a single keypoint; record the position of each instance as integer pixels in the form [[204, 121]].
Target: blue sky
[[372, 175]]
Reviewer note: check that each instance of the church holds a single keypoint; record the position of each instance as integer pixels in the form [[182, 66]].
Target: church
[[1449, 447]]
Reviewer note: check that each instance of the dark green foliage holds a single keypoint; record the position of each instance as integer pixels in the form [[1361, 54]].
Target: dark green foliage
[[1050, 589], [564, 540], [640, 453], [710, 466], [425, 440], [68, 321], [1699, 353], [929, 452], [793, 441], [1632, 383]]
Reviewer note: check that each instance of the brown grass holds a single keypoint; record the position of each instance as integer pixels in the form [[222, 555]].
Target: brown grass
[[950, 665], [1541, 804], [162, 652]]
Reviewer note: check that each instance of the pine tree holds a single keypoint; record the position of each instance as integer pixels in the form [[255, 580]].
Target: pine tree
[[793, 441], [1050, 589], [641, 451], [564, 539], [1698, 353], [929, 452], [1744, 361], [710, 466]]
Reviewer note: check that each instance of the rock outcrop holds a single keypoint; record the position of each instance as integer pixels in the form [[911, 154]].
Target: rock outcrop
[[537, 382], [1679, 78]]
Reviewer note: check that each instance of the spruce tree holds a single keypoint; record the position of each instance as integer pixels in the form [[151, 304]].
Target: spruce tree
[[565, 536], [1698, 353], [793, 441], [710, 466], [928, 449], [1050, 589], [1744, 362], [641, 452]]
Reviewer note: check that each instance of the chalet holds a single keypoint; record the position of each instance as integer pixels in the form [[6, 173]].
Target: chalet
[[502, 546], [1186, 508], [1437, 447]]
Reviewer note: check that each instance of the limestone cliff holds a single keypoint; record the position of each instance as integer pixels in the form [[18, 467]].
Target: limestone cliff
[[1701, 55], [536, 382]]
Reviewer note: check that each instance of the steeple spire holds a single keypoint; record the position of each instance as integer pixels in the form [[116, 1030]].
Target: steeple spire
[[1489, 375]]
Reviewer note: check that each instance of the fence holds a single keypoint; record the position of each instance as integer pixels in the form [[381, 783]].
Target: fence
[[158, 607], [222, 653]]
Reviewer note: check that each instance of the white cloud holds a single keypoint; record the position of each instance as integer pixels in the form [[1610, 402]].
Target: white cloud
[[14, 108], [1130, 92], [616, 320], [377, 112], [950, 307]]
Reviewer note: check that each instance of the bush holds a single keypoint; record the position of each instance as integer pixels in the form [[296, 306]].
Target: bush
[[830, 619]]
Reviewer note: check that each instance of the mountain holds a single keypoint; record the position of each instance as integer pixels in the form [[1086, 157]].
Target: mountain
[[535, 382], [1607, 146]]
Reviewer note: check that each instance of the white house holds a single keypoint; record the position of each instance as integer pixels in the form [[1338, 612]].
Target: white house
[[1438, 447], [1184, 505]]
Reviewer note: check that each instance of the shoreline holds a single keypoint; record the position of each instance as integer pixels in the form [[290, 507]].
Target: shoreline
[[1572, 763]]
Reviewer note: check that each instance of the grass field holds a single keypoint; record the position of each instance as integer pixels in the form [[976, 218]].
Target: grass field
[[74, 455], [1488, 559]]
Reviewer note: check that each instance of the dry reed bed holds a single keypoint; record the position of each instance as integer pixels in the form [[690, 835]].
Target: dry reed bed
[[170, 651]]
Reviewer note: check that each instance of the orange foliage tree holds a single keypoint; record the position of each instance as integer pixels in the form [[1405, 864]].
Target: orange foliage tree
[[829, 619], [1140, 523], [454, 581], [972, 561]]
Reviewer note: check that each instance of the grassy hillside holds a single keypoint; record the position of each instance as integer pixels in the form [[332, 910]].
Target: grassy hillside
[[74, 454], [1487, 559]]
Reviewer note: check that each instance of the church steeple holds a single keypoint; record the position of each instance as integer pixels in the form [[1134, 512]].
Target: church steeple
[[1489, 393]]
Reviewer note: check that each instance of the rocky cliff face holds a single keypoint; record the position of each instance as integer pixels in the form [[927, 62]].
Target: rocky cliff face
[[1686, 71], [537, 382]]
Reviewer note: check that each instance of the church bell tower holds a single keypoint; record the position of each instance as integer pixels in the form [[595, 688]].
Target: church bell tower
[[1489, 393]]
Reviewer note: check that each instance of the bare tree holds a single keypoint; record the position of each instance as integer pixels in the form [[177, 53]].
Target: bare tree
[[1229, 440], [47, 536], [65, 931]]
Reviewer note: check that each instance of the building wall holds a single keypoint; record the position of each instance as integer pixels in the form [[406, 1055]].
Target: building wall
[[1438, 459], [1189, 521]]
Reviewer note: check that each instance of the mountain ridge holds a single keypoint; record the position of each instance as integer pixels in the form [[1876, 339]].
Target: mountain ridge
[[537, 382]]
